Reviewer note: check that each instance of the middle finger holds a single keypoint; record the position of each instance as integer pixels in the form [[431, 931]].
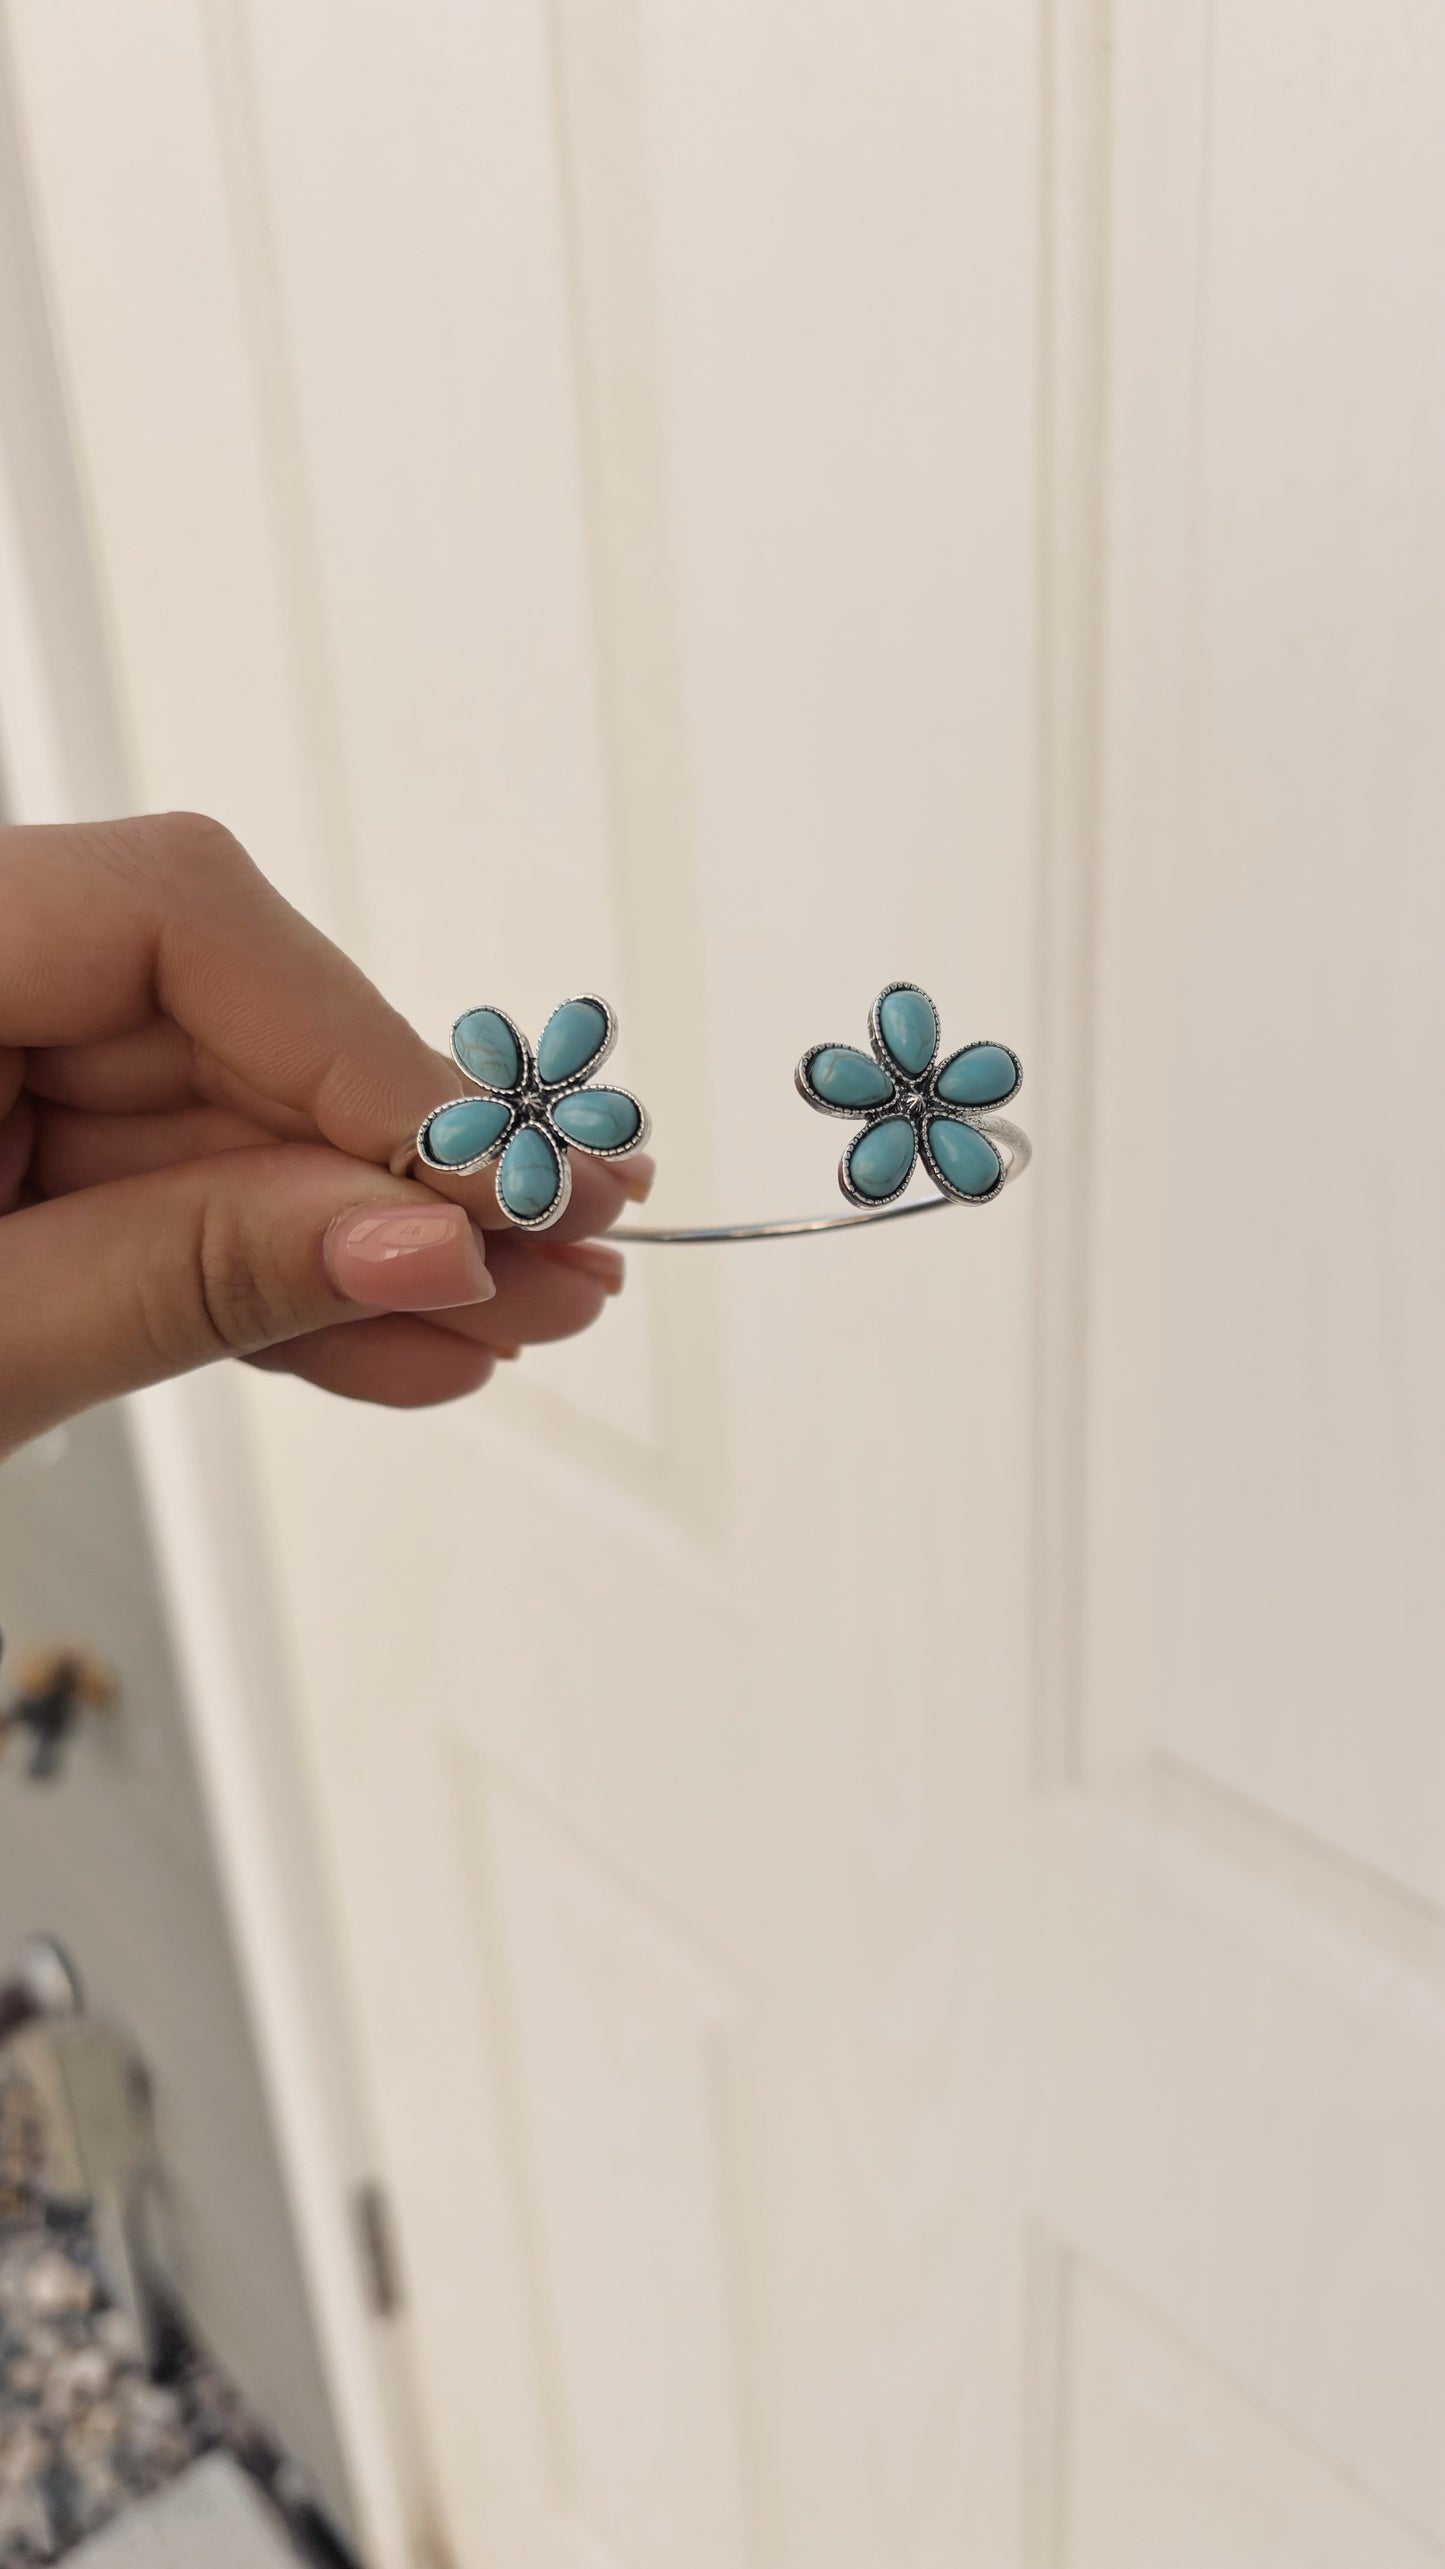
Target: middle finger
[[545, 1290]]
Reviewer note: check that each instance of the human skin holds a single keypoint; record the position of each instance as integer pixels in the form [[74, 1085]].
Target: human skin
[[201, 1101]]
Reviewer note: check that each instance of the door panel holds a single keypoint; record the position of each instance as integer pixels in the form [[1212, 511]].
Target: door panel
[[1170, 2461], [1273, 919]]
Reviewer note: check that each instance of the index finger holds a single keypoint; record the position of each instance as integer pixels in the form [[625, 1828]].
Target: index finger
[[111, 925]]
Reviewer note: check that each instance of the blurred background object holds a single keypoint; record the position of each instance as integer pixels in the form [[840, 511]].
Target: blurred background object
[[131, 2094], [53, 1689], [855, 1867]]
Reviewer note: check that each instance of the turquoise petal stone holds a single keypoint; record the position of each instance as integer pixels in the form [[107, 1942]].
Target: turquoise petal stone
[[882, 1158], [598, 1119], [968, 1159], [981, 1075], [909, 1028], [530, 1174], [572, 1035], [843, 1076], [486, 1047], [457, 1134]]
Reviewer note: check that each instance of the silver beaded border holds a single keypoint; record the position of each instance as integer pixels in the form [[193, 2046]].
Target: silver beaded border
[[881, 1052], [913, 1098], [530, 1101]]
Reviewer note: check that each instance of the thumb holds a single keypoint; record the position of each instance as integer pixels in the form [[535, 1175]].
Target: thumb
[[121, 1285]]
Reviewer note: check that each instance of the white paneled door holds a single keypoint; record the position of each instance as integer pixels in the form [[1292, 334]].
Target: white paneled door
[[885, 1816]]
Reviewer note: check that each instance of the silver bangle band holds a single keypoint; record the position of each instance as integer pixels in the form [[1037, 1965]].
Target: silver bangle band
[[1012, 1145]]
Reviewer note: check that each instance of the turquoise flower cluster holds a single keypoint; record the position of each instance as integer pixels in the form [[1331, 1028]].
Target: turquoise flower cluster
[[912, 1105], [530, 1110]]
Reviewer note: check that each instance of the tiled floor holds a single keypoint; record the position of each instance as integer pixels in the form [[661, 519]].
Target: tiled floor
[[212, 2517]]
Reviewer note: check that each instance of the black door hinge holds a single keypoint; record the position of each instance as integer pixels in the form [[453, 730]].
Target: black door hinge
[[375, 2238]]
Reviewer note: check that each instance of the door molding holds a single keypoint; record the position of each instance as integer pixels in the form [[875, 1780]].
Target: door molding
[[62, 744]]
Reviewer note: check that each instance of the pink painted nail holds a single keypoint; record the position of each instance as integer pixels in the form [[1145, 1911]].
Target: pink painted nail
[[393, 1259], [637, 1174], [606, 1267]]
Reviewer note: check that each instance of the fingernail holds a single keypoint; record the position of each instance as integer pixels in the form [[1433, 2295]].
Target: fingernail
[[606, 1267], [637, 1175], [508, 1355], [423, 1258]]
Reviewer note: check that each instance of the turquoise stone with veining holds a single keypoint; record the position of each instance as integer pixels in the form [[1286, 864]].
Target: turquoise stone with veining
[[598, 1119], [459, 1134], [573, 1034], [882, 1157], [530, 1174], [967, 1158], [486, 1047], [843, 1076], [909, 1028], [981, 1075]]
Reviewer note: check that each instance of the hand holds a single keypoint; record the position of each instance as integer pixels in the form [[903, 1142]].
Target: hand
[[199, 1101]]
